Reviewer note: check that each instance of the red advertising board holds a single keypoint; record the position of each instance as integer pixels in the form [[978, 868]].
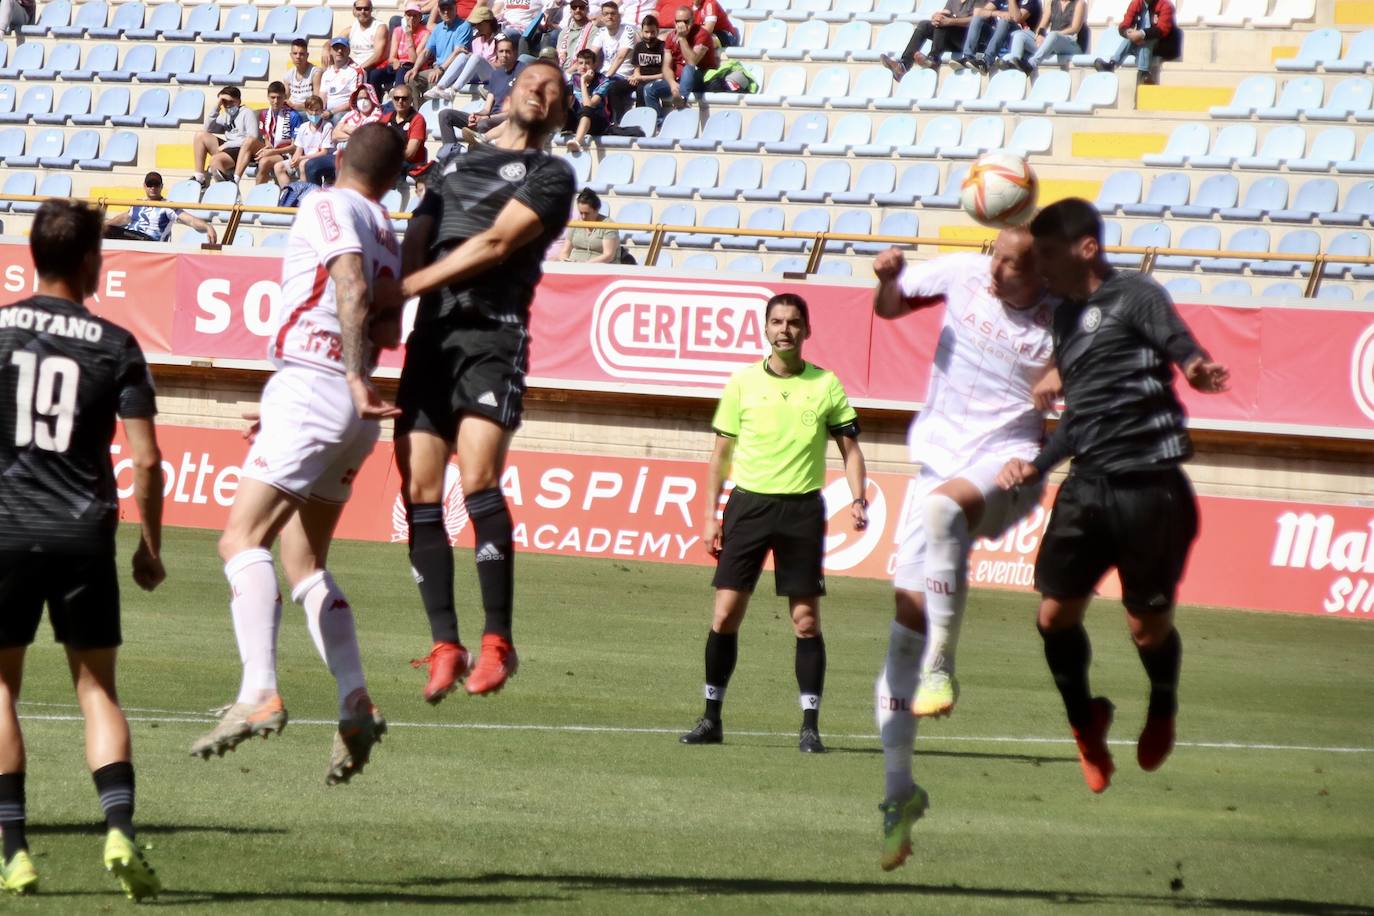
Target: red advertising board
[[1260, 554]]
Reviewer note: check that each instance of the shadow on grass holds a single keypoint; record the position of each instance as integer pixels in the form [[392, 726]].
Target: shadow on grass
[[1035, 759], [97, 828], [195, 898]]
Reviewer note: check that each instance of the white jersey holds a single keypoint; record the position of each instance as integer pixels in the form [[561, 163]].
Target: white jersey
[[329, 223], [337, 85], [978, 403]]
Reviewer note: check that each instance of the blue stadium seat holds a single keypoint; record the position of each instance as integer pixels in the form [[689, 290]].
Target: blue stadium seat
[[237, 20], [1234, 288], [1351, 96], [199, 19], [699, 172], [876, 178], [1280, 145], [316, 23], [1146, 235], [813, 220], [47, 145], [1050, 87], [1215, 192], [1284, 289], [175, 61], [788, 265], [642, 117], [215, 68], [280, 25], [1005, 87], [1097, 90], [1320, 46], [762, 218], [764, 127], [1297, 97], [803, 10], [6, 98], [769, 35], [850, 131], [1186, 142], [958, 87], [830, 83], [1333, 145], [104, 56], [252, 65], [982, 135], [50, 15], [677, 215], [1183, 286], [1119, 190], [1336, 292], [1349, 244], [36, 100], [1296, 242], [654, 172], [1231, 143], [899, 223], [701, 261], [262, 195], [1253, 93], [614, 171], [11, 144], [186, 237], [851, 222], [1261, 198], [1363, 164], [52, 185], [1111, 233], [806, 129], [872, 83], [741, 175], [1358, 206], [851, 40], [786, 175], [834, 268], [919, 181], [188, 106], [164, 18], [722, 216], [222, 193], [138, 60], [89, 16], [806, 39], [186, 191], [783, 84], [678, 125], [75, 101], [897, 132], [940, 132], [1032, 135], [64, 56], [745, 264], [27, 57], [831, 177], [1106, 48], [1198, 238], [151, 104], [17, 183], [1167, 190], [81, 148], [844, 10], [948, 198], [128, 17], [1357, 57], [721, 127], [1252, 239], [114, 101], [916, 86], [120, 149]]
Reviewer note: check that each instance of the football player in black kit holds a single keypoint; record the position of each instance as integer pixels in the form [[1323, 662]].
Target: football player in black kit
[[65, 375], [1126, 503], [483, 235]]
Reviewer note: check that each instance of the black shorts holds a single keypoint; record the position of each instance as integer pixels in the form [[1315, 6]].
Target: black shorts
[[1143, 524], [81, 592], [451, 370], [793, 527]]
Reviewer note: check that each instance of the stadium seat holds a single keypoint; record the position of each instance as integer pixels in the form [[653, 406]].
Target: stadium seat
[[36, 100], [1284, 289], [1106, 48], [75, 101], [252, 65], [1261, 198], [1167, 190], [1320, 46], [786, 175], [806, 129], [1358, 206], [722, 216], [1335, 144], [11, 144], [316, 23], [1183, 286], [763, 218], [1215, 193], [642, 118], [16, 184], [120, 149], [851, 40], [139, 59], [27, 58], [1336, 292], [1234, 288], [1147, 235], [840, 11], [1238, 12], [82, 147], [830, 83], [678, 125], [745, 264], [940, 132], [1358, 57], [222, 193], [1050, 87], [958, 87], [830, 178], [47, 145], [1231, 143], [215, 67], [1280, 145], [1285, 13], [1097, 90], [1101, 12], [722, 127], [88, 16], [262, 195], [896, 133], [835, 269], [1111, 233], [188, 106], [919, 181], [187, 237], [1297, 96], [764, 127], [898, 223], [51, 15], [188, 190], [740, 175], [104, 56], [1198, 238], [175, 61], [1363, 164], [765, 37], [701, 261], [677, 215], [1351, 96], [1253, 93], [1252, 239], [6, 98], [872, 84], [850, 131], [916, 86], [783, 84], [1006, 86], [151, 104], [1119, 190], [64, 56], [1348, 244], [127, 17], [982, 135], [165, 17], [1296, 242], [1191, 12], [199, 19], [948, 198], [237, 20], [654, 171], [807, 39], [1032, 135], [875, 178], [700, 172], [851, 222], [790, 265], [280, 25]]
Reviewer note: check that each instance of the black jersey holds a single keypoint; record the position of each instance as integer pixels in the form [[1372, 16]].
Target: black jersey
[[1115, 353], [64, 375], [479, 186]]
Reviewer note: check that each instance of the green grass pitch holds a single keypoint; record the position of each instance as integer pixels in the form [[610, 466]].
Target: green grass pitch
[[568, 792]]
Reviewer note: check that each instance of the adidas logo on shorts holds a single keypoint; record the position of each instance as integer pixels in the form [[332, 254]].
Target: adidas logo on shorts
[[487, 399], [488, 551]]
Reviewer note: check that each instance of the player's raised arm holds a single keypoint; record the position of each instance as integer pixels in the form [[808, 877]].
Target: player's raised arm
[[147, 458], [888, 301]]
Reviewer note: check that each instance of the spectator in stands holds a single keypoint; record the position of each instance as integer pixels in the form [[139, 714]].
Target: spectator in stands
[[522, 21], [693, 52], [303, 79], [1060, 32], [411, 124], [221, 141], [575, 36], [591, 113], [340, 79], [493, 113], [1002, 17], [314, 141], [481, 54], [711, 16], [145, 223], [363, 108], [651, 61], [1151, 32], [615, 42], [277, 126], [447, 40], [592, 246], [407, 43], [16, 13], [367, 38], [945, 31]]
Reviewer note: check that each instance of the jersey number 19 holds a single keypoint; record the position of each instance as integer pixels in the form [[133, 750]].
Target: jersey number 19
[[45, 400]]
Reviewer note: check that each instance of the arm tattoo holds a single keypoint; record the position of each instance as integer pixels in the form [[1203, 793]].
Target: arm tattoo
[[350, 292]]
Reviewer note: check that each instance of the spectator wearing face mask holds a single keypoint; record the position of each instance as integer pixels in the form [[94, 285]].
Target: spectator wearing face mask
[[364, 108], [227, 131], [314, 141]]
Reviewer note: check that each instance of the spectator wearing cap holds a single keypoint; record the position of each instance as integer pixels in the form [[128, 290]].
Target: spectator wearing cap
[[314, 140], [368, 39], [224, 139], [576, 36], [147, 222], [493, 113], [303, 79], [449, 38], [414, 131], [692, 50], [277, 126], [340, 79], [1151, 32], [711, 16], [523, 21], [470, 64], [591, 113], [407, 43], [16, 13]]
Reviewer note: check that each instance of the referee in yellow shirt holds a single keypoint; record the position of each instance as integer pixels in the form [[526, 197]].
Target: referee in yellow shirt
[[771, 425]]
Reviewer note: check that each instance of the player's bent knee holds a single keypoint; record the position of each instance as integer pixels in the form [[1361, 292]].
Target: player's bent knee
[[944, 516], [1060, 613]]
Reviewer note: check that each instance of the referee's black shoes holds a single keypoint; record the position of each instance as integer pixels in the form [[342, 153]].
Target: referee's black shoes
[[810, 741], [707, 731]]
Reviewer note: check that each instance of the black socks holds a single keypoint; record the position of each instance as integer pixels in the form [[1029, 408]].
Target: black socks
[[115, 784], [810, 664], [431, 560], [722, 651], [1068, 653], [495, 557]]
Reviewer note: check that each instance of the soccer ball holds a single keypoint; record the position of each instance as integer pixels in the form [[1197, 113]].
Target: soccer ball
[[999, 190]]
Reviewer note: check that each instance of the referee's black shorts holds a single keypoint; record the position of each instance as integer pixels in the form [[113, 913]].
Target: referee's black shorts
[[452, 369], [792, 526], [1142, 523], [80, 590]]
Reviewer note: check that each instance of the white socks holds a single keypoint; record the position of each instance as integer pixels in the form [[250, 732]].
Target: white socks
[[947, 547], [892, 700], [330, 619], [255, 605]]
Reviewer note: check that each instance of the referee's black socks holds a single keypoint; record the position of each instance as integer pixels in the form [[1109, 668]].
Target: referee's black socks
[[1162, 665], [811, 678], [495, 557], [114, 783], [1068, 653], [12, 813], [431, 560], [722, 650]]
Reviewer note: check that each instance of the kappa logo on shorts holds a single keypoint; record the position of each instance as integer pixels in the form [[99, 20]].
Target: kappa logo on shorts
[[1362, 372], [513, 171], [487, 399], [1091, 319]]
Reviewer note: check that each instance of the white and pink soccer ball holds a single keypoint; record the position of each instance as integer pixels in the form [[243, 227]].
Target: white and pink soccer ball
[[999, 190]]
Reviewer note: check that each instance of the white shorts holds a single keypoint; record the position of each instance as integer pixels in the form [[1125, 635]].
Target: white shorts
[[311, 441], [1001, 510]]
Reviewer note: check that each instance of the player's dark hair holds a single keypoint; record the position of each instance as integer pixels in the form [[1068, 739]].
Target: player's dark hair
[[276, 86], [1068, 220], [300, 43], [589, 197], [650, 19], [64, 233], [791, 299], [376, 154]]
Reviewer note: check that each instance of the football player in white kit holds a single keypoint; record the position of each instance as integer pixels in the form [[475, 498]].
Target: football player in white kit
[[990, 382], [319, 419]]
